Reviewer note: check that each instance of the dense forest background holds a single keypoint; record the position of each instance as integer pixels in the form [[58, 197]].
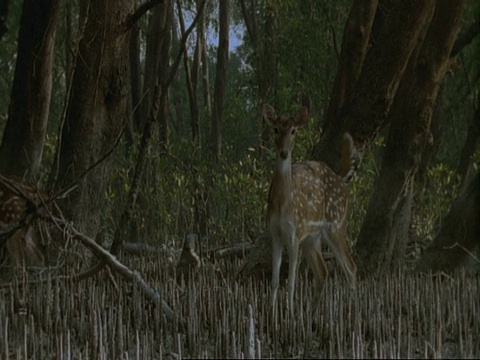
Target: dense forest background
[[142, 122]]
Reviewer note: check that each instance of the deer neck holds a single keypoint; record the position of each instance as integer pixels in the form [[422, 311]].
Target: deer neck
[[281, 186]]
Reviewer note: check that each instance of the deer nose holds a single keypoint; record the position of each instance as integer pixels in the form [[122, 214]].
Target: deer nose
[[284, 154]]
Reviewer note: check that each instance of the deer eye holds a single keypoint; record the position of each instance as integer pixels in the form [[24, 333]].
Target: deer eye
[[276, 131], [293, 131]]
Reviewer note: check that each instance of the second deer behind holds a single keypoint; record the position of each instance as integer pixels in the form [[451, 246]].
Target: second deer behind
[[307, 203]]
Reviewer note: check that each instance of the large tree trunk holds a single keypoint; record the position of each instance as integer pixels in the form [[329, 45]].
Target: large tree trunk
[[23, 139], [383, 237], [220, 79], [458, 240], [355, 42], [378, 81], [95, 111]]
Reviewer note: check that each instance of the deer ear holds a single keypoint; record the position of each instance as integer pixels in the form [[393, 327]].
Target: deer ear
[[302, 116], [269, 114]]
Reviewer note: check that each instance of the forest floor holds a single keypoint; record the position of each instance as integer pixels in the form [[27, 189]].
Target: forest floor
[[400, 315]]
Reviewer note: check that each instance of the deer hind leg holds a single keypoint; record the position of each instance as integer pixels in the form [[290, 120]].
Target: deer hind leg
[[16, 248], [312, 250], [342, 254]]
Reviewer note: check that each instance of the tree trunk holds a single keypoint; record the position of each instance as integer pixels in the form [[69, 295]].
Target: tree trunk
[[220, 79], [23, 138], [191, 79], [466, 156], [354, 48], [135, 83], [459, 237], [384, 234], [377, 84], [156, 35], [267, 74], [207, 98], [265, 64], [4, 6], [69, 44], [96, 110], [164, 70]]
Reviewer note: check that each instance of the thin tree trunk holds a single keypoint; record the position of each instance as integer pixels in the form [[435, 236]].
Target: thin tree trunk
[[164, 70], [267, 75], [156, 35], [197, 53], [69, 44], [384, 234], [135, 82], [177, 90], [220, 79], [23, 138], [191, 79], [264, 58], [207, 98], [465, 163]]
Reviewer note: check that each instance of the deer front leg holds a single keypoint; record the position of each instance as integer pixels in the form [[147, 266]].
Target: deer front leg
[[292, 270], [277, 250]]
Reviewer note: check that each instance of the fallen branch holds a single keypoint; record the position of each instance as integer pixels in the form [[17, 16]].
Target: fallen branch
[[472, 255], [127, 273], [230, 251], [140, 248]]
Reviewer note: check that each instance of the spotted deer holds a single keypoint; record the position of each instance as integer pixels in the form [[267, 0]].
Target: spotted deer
[[18, 202], [307, 203]]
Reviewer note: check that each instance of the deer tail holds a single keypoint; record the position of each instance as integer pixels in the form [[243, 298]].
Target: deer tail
[[349, 161]]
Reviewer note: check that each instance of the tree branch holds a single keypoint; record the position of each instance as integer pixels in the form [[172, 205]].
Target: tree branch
[[250, 22], [183, 40], [131, 275], [132, 19], [465, 37]]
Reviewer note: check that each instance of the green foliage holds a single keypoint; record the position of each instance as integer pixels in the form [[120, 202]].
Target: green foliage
[[362, 187], [458, 97], [185, 190], [183, 193], [433, 199]]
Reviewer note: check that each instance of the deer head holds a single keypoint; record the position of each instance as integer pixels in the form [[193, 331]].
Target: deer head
[[285, 128]]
